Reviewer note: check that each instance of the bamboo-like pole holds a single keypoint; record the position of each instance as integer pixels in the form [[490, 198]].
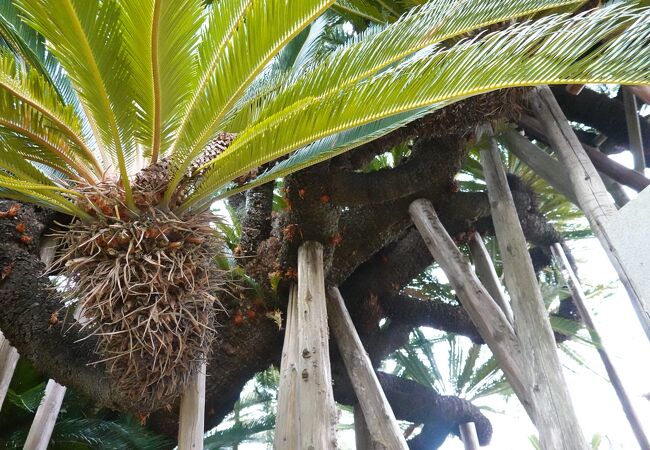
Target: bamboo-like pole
[[379, 417], [192, 412], [314, 424], [580, 302], [488, 275], [8, 360], [592, 196], [41, 430], [490, 321], [468, 436], [633, 129], [556, 419]]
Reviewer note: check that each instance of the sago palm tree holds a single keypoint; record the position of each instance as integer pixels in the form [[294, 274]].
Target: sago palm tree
[[132, 116]]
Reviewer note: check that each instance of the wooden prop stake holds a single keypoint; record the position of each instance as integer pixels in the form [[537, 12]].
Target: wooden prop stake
[[580, 302], [556, 419], [378, 414]]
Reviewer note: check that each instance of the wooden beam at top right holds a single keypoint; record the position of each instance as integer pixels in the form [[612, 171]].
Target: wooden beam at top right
[[593, 198]]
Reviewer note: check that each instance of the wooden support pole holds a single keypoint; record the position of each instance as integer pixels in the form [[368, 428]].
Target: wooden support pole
[[592, 196], [468, 436], [615, 190], [556, 419], [192, 413], [361, 434], [602, 163], [317, 407], [287, 430], [490, 321], [8, 360], [379, 417], [633, 128], [543, 164], [314, 421], [43, 424], [580, 302], [488, 275]]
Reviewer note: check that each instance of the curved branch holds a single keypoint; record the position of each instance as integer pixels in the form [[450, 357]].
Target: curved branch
[[416, 403], [405, 310]]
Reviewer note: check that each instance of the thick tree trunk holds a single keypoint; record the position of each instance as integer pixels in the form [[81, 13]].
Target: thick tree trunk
[[555, 417]]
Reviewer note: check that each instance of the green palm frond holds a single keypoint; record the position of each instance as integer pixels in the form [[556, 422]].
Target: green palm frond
[[244, 51], [86, 37], [24, 41], [49, 145], [557, 49], [382, 46], [33, 90], [327, 148], [360, 9], [161, 35]]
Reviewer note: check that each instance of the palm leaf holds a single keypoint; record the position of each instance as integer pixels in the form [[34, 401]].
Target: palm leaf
[[161, 35], [25, 42], [34, 91], [360, 9], [327, 148], [48, 145], [380, 47], [245, 53], [557, 49], [86, 37]]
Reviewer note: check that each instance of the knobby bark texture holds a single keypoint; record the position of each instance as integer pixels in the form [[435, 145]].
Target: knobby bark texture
[[371, 252]]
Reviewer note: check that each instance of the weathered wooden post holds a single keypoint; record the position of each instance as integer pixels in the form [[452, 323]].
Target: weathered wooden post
[[633, 128], [309, 358], [593, 198], [8, 360], [488, 317], [287, 429], [556, 419], [192, 412], [41, 430], [544, 165], [361, 434], [579, 300], [468, 436], [378, 415], [488, 274]]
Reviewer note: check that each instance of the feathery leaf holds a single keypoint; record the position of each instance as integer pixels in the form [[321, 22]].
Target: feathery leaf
[[557, 49]]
